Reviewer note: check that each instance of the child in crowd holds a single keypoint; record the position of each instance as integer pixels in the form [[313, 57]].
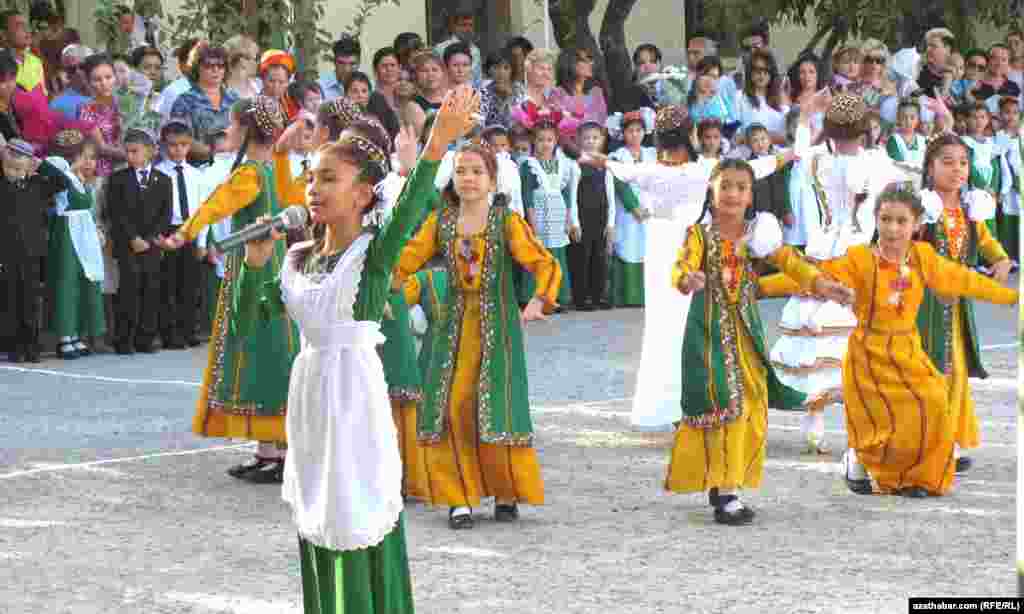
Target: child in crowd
[[181, 268], [550, 184], [759, 140], [522, 145], [709, 135], [497, 137], [906, 144], [139, 202], [27, 189], [1009, 143], [215, 173], [75, 260], [596, 206], [630, 244], [875, 137], [977, 123], [758, 143]]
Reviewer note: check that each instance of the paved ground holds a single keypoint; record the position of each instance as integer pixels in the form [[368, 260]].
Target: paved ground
[[109, 506]]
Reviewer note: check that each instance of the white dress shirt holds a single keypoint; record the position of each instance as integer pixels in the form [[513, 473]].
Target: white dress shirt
[[193, 192]]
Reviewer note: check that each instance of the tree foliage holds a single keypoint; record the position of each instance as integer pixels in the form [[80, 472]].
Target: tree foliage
[[898, 23], [273, 23]]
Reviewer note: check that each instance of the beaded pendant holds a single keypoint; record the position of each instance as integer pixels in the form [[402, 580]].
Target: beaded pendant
[[899, 286]]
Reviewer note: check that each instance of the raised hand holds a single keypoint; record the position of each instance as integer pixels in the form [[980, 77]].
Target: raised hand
[[458, 114]]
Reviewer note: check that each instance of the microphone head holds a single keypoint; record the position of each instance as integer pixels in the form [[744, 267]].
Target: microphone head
[[295, 217]]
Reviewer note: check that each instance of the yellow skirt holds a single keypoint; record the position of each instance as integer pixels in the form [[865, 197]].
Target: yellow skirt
[[414, 469], [961, 403], [732, 456], [209, 422], [897, 412], [460, 469]]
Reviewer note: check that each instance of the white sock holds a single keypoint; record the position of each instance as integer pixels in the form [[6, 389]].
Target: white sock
[[462, 510], [79, 345], [268, 450], [733, 506], [854, 470], [956, 451], [818, 425]]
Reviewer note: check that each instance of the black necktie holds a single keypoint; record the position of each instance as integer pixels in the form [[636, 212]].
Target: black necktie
[[142, 179], [182, 196]]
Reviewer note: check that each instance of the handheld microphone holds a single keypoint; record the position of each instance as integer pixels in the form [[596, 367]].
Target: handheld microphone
[[289, 219]]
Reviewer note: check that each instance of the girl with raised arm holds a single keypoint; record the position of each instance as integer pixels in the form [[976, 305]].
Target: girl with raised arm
[[343, 477]]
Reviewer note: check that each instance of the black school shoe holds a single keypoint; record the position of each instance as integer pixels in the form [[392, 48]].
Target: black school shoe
[[860, 487], [963, 464], [742, 516], [506, 513], [67, 351], [915, 492], [462, 521], [272, 473], [239, 471]]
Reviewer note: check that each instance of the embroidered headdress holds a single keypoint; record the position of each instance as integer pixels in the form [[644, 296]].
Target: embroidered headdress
[[267, 114], [376, 158], [671, 118], [68, 138], [846, 109]]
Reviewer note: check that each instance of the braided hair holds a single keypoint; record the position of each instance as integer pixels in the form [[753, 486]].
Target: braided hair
[[262, 119]]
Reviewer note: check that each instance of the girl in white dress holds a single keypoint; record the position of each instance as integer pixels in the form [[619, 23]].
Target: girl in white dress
[[674, 191], [343, 474], [630, 244]]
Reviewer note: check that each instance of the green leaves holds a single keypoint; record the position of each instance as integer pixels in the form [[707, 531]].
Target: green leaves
[[842, 20]]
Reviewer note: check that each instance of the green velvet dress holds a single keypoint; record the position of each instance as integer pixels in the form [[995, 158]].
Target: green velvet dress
[[374, 579], [78, 302]]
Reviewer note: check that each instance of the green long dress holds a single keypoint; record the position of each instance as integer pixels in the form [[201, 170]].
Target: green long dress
[[78, 302], [399, 351], [433, 300], [373, 580], [245, 387]]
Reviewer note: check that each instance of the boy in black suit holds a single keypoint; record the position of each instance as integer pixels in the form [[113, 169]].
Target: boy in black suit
[[182, 269], [138, 209], [27, 189]]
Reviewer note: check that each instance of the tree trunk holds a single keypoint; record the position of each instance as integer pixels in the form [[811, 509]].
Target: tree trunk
[[693, 16], [617, 60], [570, 21], [927, 14]]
